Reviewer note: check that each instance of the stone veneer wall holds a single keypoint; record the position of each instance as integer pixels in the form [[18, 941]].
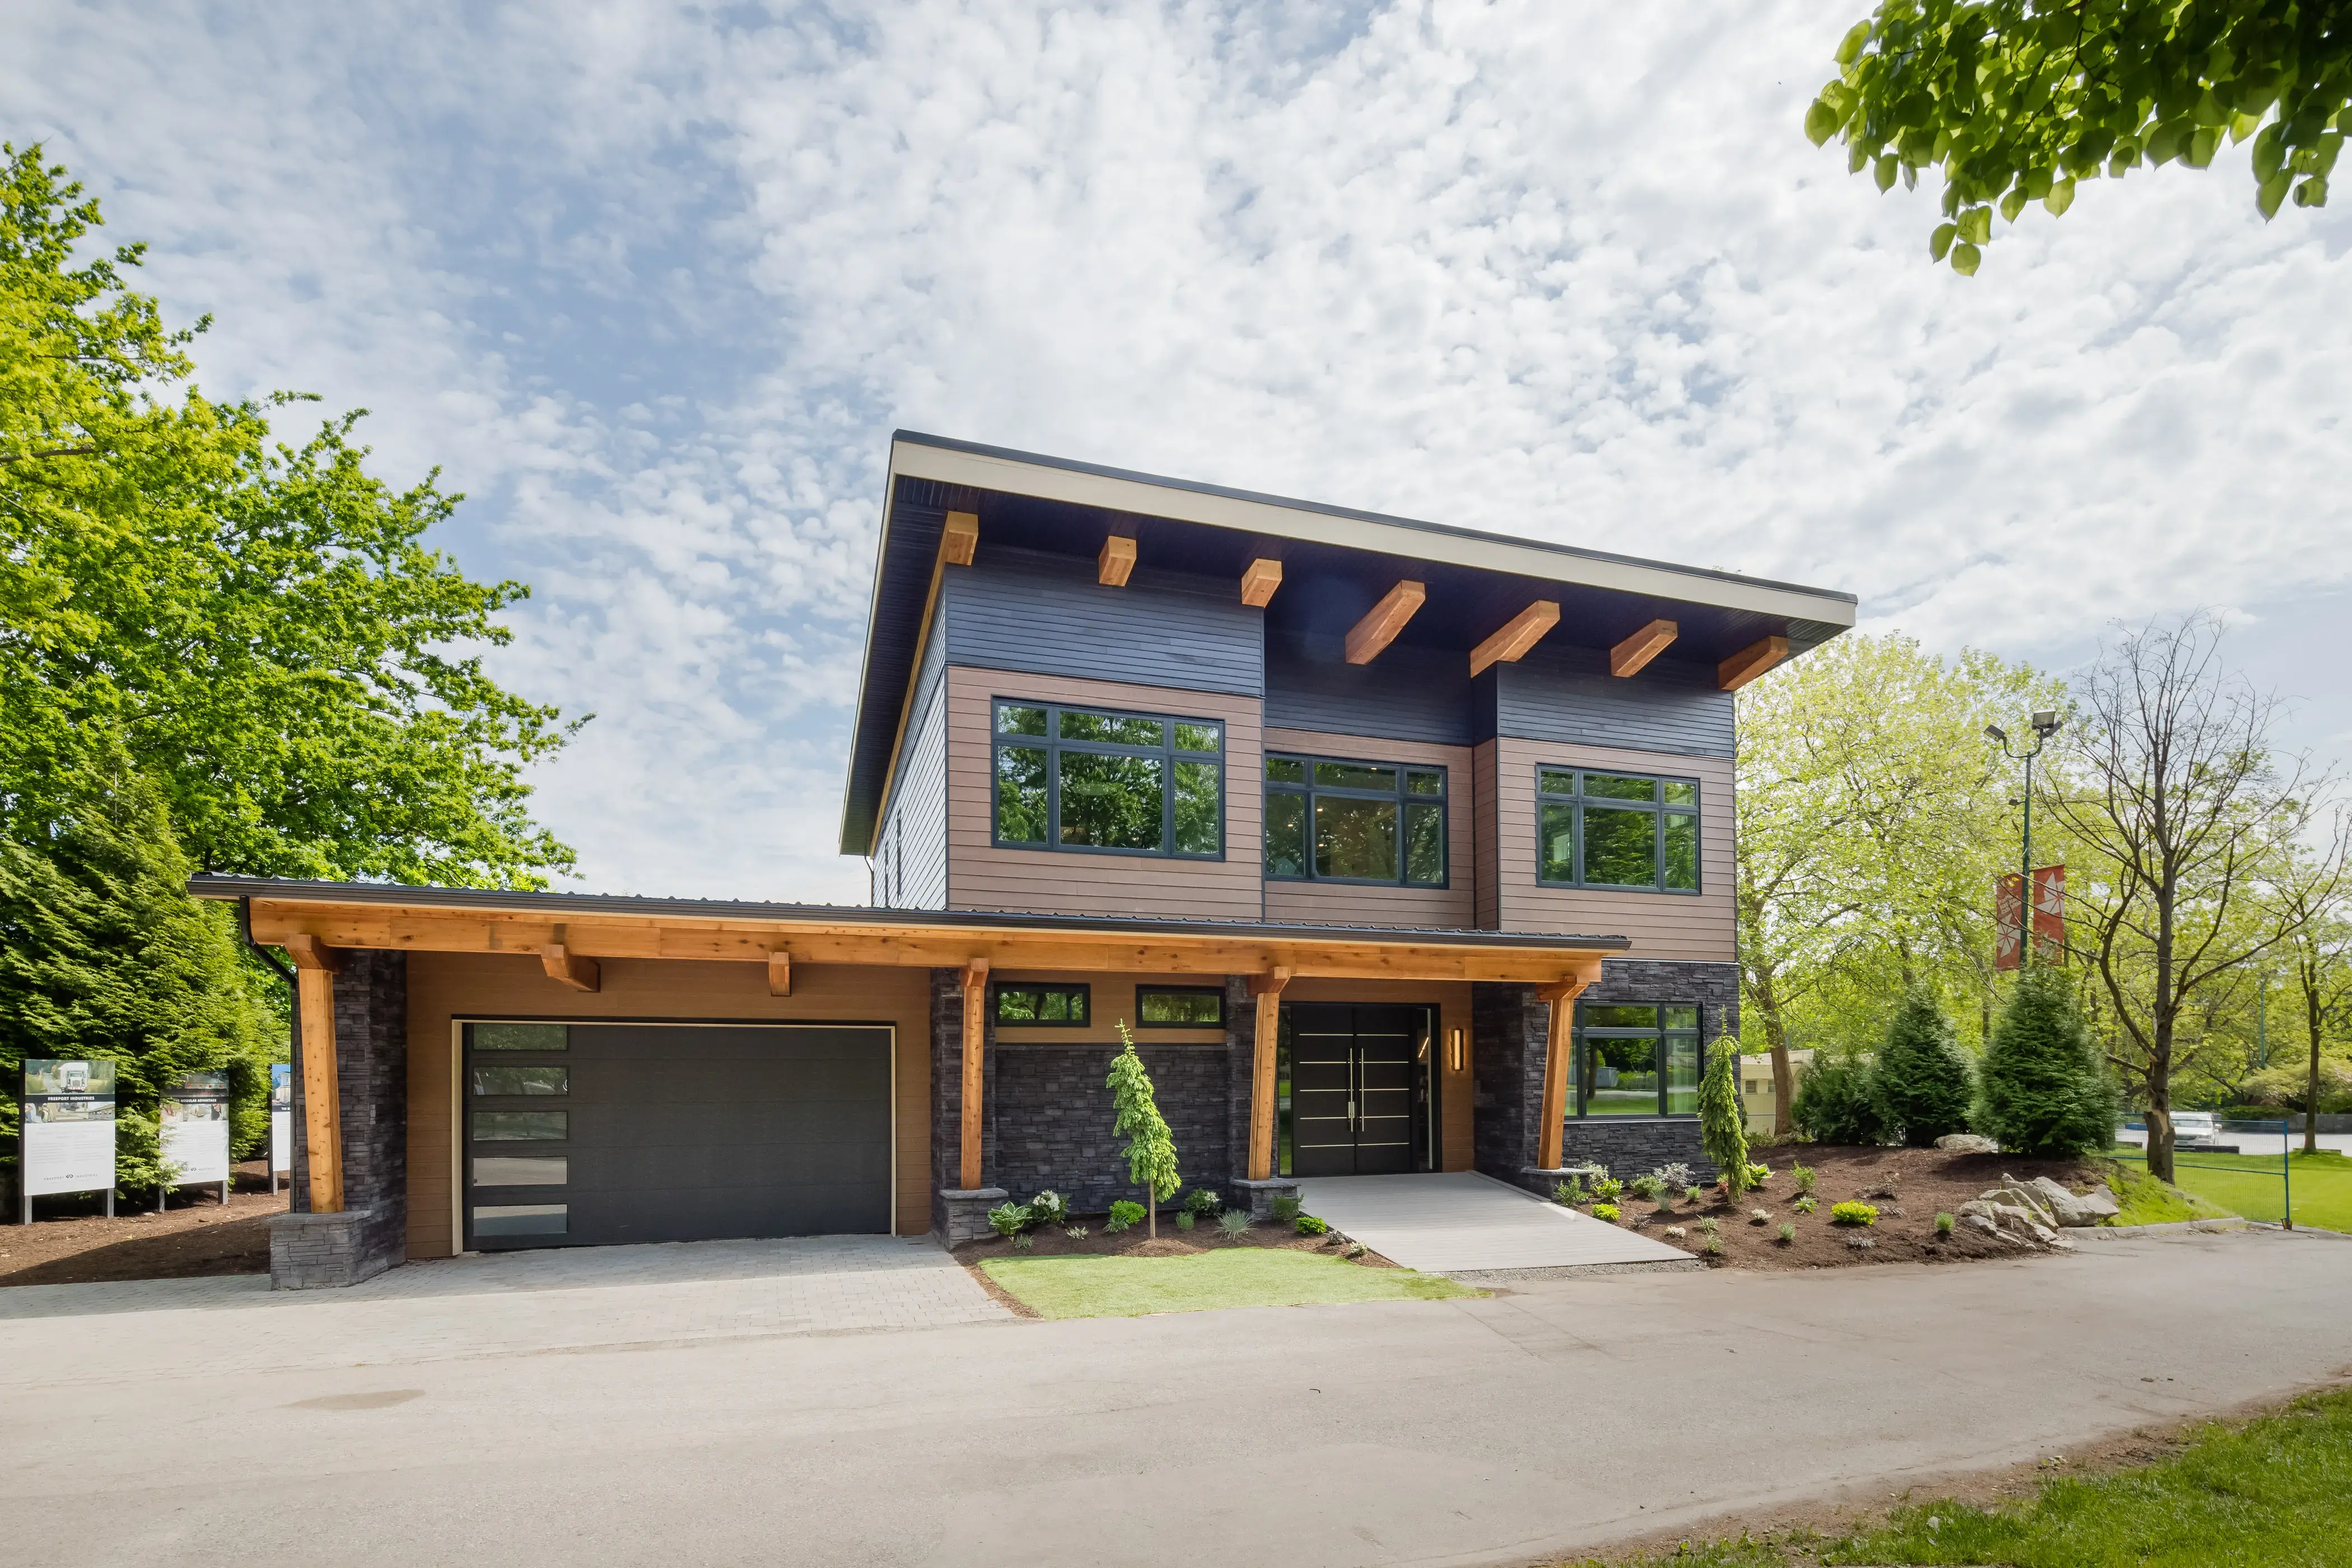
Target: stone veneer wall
[[1509, 1031], [309, 1250], [1046, 1114]]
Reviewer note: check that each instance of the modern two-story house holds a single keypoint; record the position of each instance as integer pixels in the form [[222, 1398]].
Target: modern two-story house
[[1397, 847]]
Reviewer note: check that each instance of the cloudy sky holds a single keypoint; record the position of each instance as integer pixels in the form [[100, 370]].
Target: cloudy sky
[[652, 284]]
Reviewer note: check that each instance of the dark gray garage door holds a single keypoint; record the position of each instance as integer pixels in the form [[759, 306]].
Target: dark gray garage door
[[592, 1134]]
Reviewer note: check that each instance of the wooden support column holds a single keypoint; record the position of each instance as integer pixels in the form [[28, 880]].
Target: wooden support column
[[780, 973], [315, 965], [975, 1032], [1558, 1049], [1267, 989]]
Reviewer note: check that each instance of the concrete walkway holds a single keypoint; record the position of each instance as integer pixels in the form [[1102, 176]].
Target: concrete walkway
[[1462, 1222]]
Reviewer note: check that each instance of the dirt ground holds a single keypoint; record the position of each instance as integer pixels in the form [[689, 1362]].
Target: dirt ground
[[1923, 1182], [1054, 1241], [194, 1235]]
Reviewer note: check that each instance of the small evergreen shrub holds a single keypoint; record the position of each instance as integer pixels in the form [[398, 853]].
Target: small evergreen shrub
[[1123, 1214], [1943, 1227], [1569, 1194], [1233, 1223], [1184, 1220], [1854, 1212], [1200, 1201], [1605, 1210], [1805, 1205], [1722, 1119], [2044, 1092], [1834, 1103], [1049, 1207], [1309, 1225], [1009, 1219], [1675, 1176], [1921, 1081], [1787, 1233], [1804, 1175], [1285, 1210]]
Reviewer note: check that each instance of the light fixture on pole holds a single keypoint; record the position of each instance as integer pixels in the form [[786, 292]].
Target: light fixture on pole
[[2045, 722]]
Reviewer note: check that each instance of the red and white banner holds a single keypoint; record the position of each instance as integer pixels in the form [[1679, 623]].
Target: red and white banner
[[2049, 919]]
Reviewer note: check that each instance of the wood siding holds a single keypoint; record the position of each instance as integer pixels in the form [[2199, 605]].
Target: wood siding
[[1662, 925], [1046, 614], [1564, 693], [1489, 866], [1453, 1089], [1453, 906], [444, 987], [1407, 693], [1054, 881]]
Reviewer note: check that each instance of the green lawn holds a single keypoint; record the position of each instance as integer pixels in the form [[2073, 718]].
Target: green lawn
[[1200, 1281], [2276, 1492], [2249, 1185]]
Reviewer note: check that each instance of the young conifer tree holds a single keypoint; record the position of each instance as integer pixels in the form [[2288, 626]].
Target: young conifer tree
[[2044, 1090], [1722, 1119], [1151, 1147], [1922, 1080]]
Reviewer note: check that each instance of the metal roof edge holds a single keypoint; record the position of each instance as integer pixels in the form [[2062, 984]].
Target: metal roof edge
[[209, 885]]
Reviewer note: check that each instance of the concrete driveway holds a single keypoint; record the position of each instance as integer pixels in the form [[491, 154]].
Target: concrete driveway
[[1498, 1430]]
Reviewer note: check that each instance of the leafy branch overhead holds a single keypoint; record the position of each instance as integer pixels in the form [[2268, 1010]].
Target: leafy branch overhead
[[2018, 99]]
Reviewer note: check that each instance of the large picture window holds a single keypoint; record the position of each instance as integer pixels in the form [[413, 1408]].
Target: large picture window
[[1328, 820], [1636, 1059], [1597, 829], [1121, 784]]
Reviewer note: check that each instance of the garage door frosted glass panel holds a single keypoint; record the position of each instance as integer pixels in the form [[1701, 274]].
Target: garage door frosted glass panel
[[683, 1134]]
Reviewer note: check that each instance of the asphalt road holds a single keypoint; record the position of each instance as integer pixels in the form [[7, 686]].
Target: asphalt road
[[1502, 1430]]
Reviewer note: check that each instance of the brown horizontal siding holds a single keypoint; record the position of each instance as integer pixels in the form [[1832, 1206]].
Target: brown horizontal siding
[[1049, 881], [1453, 1001], [1489, 872], [444, 987], [1661, 925], [1455, 905]]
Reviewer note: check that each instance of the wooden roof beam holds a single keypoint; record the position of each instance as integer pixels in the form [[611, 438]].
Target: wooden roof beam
[[1750, 662], [1117, 559], [309, 952], [1628, 656], [1380, 624], [567, 968], [1260, 581], [1517, 634], [960, 538]]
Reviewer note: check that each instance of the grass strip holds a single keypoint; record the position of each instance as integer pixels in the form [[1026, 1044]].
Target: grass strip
[[2276, 1491], [1205, 1281]]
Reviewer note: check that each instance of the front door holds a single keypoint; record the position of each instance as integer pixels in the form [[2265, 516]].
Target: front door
[[1355, 1073]]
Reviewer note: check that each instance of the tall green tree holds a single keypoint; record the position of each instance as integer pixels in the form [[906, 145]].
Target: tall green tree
[[1722, 1119], [2043, 1090], [261, 624], [1151, 1147], [2016, 100], [1921, 1078]]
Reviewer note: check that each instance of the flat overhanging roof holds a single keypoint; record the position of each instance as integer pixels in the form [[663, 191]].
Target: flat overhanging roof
[[595, 925]]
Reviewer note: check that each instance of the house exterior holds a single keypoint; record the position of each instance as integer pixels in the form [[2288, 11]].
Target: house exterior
[[1759, 1096], [1349, 818]]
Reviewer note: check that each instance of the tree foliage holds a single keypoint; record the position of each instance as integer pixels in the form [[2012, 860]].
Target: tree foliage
[[1835, 1103], [1722, 1119], [2016, 100], [1151, 1147], [1921, 1078], [259, 625], [2044, 1090]]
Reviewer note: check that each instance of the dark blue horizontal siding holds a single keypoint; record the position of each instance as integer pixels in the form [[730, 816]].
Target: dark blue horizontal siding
[[1566, 694], [1406, 694], [1046, 614]]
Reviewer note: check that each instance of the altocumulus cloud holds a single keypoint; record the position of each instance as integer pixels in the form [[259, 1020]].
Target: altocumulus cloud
[[654, 283]]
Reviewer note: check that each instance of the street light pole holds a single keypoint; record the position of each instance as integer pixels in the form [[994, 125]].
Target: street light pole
[[2045, 723]]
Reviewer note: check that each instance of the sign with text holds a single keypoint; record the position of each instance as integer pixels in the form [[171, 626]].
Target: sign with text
[[195, 1126], [281, 1117], [2049, 919], [68, 1144]]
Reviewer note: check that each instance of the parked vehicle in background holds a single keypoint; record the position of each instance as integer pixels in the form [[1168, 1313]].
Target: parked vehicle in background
[[2193, 1129]]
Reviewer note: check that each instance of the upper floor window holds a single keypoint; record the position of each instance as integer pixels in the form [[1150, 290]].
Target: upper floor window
[[1334, 821], [1129, 783], [1616, 830]]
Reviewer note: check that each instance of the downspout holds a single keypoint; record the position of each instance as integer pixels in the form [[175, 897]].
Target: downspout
[[295, 1200]]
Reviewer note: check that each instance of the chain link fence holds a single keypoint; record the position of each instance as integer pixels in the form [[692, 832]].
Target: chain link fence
[[2244, 1166]]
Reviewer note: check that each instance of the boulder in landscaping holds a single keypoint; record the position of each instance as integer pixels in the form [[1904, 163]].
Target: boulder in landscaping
[[2074, 1210], [1967, 1143]]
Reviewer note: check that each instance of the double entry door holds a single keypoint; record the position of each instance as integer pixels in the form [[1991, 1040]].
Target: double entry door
[[1358, 1089]]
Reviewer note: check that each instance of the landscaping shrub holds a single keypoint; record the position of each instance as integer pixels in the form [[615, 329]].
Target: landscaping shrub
[[1608, 1189], [1151, 1147], [1943, 1227], [1233, 1223], [1710, 1239], [1804, 1205], [1722, 1119], [1024, 1241], [1184, 1220], [1009, 1219], [1644, 1187], [2044, 1092], [1675, 1174], [1285, 1210], [1692, 1195], [1853, 1213], [1049, 1207], [1804, 1175], [1787, 1233], [1568, 1194], [1757, 1175], [1921, 1081], [1202, 1202], [1075, 1232], [1759, 1216], [1834, 1105], [1123, 1214], [1309, 1225], [1605, 1210]]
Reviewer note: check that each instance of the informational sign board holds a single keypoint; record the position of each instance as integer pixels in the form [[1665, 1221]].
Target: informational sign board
[[68, 1127], [2049, 919], [281, 1118], [195, 1126]]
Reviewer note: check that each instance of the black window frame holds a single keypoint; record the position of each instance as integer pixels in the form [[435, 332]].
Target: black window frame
[[1082, 992], [1308, 789], [1218, 992], [1660, 1036], [1658, 809], [1051, 743]]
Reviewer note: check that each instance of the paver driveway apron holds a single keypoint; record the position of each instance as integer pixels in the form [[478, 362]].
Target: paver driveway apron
[[1459, 1222], [496, 1304]]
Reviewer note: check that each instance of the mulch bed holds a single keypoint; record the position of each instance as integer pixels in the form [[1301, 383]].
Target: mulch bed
[[195, 1235], [1054, 1241], [1925, 1182]]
